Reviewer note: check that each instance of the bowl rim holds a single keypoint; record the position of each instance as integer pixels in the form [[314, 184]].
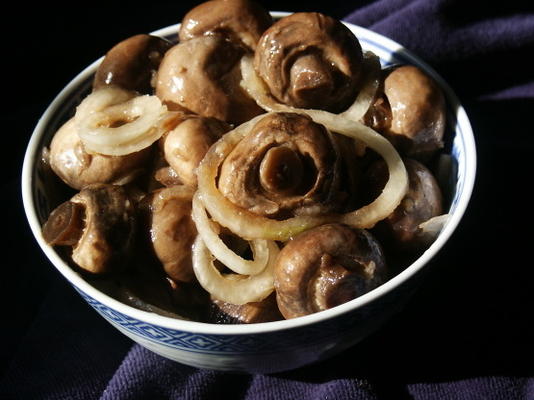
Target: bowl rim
[[32, 153]]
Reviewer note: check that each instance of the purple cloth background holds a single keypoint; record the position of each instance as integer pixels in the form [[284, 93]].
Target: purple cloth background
[[467, 334]]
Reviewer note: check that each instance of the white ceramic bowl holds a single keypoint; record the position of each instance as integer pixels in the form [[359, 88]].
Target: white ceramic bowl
[[267, 347]]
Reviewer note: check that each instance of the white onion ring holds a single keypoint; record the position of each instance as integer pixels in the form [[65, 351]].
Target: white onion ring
[[142, 121], [232, 288], [260, 248]]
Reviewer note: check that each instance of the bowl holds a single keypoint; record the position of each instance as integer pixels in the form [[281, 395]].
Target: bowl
[[272, 346]]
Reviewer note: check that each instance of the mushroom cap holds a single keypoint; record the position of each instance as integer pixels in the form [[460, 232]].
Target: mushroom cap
[[326, 266], [172, 231], [417, 111], [132, 63], [241, 21], [287, 165], [203, 75], [78, 168], [185, 146], [422, 202], [310, 60], [109, 228]]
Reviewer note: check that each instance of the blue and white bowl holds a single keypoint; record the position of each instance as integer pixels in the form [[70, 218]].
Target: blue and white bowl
[[267, 347]]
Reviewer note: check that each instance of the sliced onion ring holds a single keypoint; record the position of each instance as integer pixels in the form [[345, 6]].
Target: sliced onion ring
[[139, 120], [260, 248], [232, 288]]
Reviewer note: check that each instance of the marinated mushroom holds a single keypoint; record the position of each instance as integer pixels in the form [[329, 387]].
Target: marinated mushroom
[[310, 60], [185, 146], [203, 75], [79, 168], [325, 267], [266, 310], [410, 112], [98, 223], [273, 225], [422, 202], [132, 63], [171, 230], [241, 21], [287, 165]]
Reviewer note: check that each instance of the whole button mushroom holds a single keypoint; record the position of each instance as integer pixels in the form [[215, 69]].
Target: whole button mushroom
[[78, 168], [171, 230], [422, 202], [132, 63], [99, 223], [411, 112], [241, 21], [185, 146], [203, 75], [287, 165], [325, 267], [310, 60]]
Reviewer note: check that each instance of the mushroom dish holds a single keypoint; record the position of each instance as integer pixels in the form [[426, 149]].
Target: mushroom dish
[[255, 170]]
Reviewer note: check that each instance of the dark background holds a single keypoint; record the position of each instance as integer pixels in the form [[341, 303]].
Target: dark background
[[474, 315]]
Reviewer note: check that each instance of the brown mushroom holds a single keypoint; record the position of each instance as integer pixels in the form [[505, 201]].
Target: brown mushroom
[[325, 267], [99, 224], [287, 165], [241, 21], [171, 230], [422, 202], [250, 313], [410, 112], [203, 75], [132, 63], [78, 168], [310, 60], [185, 146]]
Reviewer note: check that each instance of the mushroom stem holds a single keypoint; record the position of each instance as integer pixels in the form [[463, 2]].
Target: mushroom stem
[[64, 226]]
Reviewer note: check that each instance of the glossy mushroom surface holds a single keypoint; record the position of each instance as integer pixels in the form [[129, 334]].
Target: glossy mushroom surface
[[185, 146], [240, 21], [310, 60], [203, 75], [132, 63], [287, 165], [171, 231], [325, 267], [410, 112]]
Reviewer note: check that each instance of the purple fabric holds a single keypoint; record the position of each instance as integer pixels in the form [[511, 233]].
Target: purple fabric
[[468, 332]]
